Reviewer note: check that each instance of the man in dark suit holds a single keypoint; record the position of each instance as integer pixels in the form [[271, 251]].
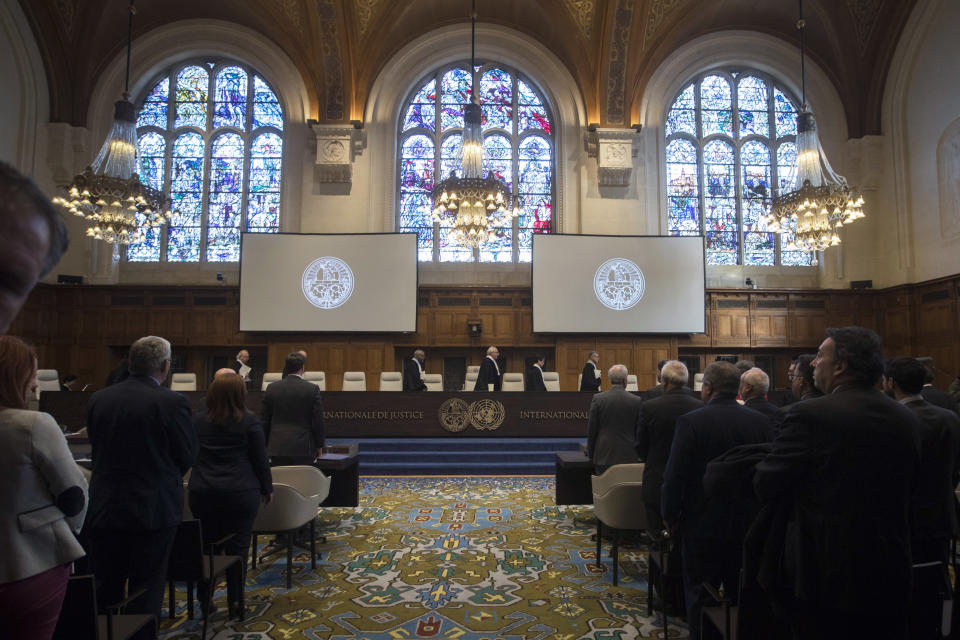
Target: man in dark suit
[[292, 417], [143, 441], [754, 384], [657, 390], [413, 372], [614, 420], [534, 378], [489, 373], [590, 379], [935, 396], [711, 550], [934, 516], [801, 379], [658, 417], [842, 467]]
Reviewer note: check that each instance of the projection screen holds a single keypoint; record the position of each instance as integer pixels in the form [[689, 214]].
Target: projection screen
[[321, 282], [618, 284]]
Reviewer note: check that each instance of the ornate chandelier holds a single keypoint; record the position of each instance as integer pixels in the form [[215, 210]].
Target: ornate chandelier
[[472, 204], [822, 201], [109, 194]]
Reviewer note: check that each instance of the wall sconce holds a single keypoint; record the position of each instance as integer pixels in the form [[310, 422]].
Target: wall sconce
[[475, 328]]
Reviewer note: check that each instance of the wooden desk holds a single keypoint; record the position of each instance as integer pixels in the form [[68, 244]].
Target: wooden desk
[[573, 484]]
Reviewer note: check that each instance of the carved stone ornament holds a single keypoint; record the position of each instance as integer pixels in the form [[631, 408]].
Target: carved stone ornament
[[615, 150], [337, 146]]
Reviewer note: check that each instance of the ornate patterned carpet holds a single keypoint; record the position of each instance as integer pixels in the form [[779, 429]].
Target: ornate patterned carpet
[[447, 558]]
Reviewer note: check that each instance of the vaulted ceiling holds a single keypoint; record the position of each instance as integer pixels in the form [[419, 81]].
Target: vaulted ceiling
[[611, 47]]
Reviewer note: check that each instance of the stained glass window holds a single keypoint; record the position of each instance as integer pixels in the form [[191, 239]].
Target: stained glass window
[[730, 148], [211, 136], [518, 147]]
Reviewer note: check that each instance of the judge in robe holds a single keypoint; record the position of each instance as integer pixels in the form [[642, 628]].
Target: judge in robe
[[413, 372], [243, 360], [590, 380], [489, 373], [534, 379]]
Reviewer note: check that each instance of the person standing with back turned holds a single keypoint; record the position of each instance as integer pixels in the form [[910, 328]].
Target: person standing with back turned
[[292, 417]]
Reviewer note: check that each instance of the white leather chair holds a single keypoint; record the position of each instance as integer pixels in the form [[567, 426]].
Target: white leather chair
[[697, 381], [474, 368], [551, 380], [632, 382], [47, 380], [391, 381], [183, 382], [318, 378], [512, 382], [616, 496], [354, 381], [297, 494], [269, 378], [471, 380], [579, 380], [434, 381]]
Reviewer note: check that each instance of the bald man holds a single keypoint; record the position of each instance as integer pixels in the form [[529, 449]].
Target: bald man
[[226, 371]]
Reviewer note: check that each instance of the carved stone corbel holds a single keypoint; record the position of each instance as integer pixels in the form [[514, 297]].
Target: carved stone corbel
[[337, 147], [614, 150]]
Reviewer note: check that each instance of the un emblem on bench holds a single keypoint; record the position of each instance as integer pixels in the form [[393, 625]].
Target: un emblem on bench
[[486, 415]]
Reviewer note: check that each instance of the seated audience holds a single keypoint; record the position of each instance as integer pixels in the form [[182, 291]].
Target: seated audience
[[841, 471], [801, 381], [231, 476], [754, 385], [42, 503], [712, 551]]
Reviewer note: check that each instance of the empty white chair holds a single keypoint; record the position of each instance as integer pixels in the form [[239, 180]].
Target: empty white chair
[[354, 381], [474, 368], [390, 381], [318, 378], [579, 380], [551, 380], [47, 380], [632, 382], [697, 381], [471, 380], [434, 381], [512, 382], [616, 495], [183, 382], [268, 378]]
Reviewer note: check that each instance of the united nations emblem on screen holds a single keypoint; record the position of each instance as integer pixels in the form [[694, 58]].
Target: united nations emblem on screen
[[618, 284], [327, 282]]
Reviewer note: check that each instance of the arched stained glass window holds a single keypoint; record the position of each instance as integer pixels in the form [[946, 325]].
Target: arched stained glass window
[[518, 147], [730, 148], [211, 136]]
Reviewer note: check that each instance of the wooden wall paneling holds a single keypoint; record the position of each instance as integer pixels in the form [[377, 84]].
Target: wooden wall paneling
[[807, 320], [845, 309], [571, 354], [731, 320], [896, 322], [937, 324], [647, 352], [768, 320]]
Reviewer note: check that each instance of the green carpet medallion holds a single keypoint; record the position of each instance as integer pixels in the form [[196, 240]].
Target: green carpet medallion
[[445, 558]]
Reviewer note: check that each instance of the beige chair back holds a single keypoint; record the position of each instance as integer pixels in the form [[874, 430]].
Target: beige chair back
[[269, 378], [512, 382], [471, 380], [434, 381], [391, 381], [473, 368], [183, 382], [632, 382], [354, 381], [551, 380], [47, 380], [308, 480], [616, 496], [318, 378], [697, 381]]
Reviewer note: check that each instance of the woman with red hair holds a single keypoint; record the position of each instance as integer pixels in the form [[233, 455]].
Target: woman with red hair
[[43, 499]]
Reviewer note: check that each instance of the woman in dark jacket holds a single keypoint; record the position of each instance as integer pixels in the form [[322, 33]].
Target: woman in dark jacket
[[232, 474]]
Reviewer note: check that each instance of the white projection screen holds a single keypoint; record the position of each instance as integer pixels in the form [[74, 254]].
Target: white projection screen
[[618, 284], [328, 282]]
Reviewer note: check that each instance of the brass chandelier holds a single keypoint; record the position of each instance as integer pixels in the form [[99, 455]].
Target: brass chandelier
[[474, 203], [822, 202], [109, 193]]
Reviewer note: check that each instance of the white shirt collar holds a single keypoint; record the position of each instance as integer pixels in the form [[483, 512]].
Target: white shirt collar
[[419, 368], [912, 398], [538, 366], [494, 361], [591, 362]]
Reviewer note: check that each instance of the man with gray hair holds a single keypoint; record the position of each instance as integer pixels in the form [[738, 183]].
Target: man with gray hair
[[614, 418], [143, 441], [711, 541], [489, 377], [754, 384]]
